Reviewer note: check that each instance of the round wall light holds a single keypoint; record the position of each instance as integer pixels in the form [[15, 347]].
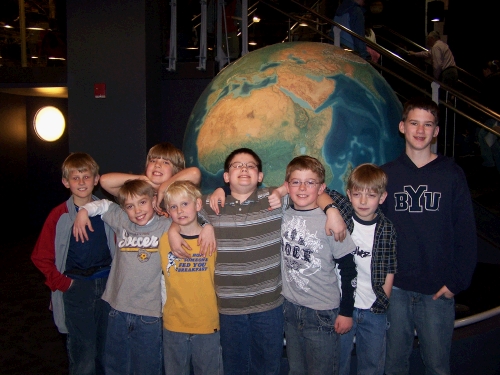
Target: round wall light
[[49, 123]]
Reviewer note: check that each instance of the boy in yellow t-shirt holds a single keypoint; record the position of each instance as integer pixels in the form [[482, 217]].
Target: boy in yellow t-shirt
[[190, 315]]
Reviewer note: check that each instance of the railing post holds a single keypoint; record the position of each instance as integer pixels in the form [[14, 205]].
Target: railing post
[[22, 29], [435, 98], [336, 36], [203, 37], [172, 58], [221, 58], [244, 27]]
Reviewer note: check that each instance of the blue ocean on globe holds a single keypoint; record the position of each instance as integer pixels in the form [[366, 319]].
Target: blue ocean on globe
[[290, 99]]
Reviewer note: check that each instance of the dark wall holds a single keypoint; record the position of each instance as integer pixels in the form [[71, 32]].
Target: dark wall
[[473, 31], [13, 152], [179, 99], [107, 42], [31, 168]]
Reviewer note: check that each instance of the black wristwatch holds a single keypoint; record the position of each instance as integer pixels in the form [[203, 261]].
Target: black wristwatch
[[331, 205]]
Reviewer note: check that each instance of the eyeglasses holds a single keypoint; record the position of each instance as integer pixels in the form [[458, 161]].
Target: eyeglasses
[[308, 184], [238, 165]]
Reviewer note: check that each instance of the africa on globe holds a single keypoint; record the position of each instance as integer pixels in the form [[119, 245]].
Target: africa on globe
[[290, 99]]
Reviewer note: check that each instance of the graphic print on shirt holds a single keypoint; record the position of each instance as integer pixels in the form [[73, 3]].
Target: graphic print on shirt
[[298, 247], [197, 263], [171, 262], [361, 253], [417, 200], [143, 245]]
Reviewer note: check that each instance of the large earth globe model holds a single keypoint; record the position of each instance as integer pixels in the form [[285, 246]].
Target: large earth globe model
[[290, 99]]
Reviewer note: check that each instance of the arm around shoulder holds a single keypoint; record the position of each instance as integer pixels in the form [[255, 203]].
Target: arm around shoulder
[[112, 182], [192, 174]]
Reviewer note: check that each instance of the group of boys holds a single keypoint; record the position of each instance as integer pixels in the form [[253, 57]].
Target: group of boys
[[298, 261]]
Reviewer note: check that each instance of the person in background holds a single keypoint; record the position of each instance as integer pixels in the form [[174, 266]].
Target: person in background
[[350, 14], [489, 143], [443, 62], [370, 35]]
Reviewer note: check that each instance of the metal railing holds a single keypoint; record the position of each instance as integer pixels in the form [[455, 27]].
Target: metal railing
[[456, 105], [433, 88]]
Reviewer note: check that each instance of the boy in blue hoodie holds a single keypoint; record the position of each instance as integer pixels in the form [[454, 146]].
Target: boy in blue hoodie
[[430, 205]]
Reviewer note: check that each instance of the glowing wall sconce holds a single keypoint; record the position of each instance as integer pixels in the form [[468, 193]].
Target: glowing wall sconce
[[49, 124]]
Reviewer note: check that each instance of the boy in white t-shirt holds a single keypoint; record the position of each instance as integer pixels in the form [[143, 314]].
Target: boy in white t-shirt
[[375, 258]]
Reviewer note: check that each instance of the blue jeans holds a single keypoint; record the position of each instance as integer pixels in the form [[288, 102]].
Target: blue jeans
[[252, 343], [86, 316], [180, 350], [370, 331], [134, 344], [434, 322], [312, 345]]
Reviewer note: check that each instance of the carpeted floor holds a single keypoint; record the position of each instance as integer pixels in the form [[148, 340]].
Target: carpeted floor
[[29, 341]]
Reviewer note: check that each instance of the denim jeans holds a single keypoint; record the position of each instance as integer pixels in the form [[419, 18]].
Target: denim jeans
[[252, 343], [181, 350], [134, 344], [86, 316], [370, 331], [434, 322], [312, 345]]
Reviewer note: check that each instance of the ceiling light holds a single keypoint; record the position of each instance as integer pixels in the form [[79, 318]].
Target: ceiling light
[[435, 10]]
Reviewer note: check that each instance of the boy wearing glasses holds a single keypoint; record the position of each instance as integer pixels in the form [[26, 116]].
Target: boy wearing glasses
[[248, 271], [314, 314]]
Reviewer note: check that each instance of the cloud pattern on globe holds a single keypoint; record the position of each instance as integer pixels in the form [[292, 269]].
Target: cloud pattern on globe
[[290, 99]]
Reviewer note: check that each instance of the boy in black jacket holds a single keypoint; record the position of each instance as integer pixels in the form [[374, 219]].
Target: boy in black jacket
[[430, 205]]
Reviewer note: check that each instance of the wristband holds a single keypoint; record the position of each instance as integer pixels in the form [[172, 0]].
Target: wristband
[[331, 205]]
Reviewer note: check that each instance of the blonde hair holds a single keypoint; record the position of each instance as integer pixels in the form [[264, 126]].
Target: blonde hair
[[305, 162], [367, 177], [134, 188], [167, 151], [81, 162], [180, 188]]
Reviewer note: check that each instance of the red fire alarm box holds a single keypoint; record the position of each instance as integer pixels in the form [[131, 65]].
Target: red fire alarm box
[[100, 90]]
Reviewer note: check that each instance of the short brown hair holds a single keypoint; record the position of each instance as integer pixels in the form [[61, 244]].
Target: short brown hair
[[132, 188], [305, 162], [421, 102], [177, 188], [81, 162], [243, 150], [167, 151], [369, 177]]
